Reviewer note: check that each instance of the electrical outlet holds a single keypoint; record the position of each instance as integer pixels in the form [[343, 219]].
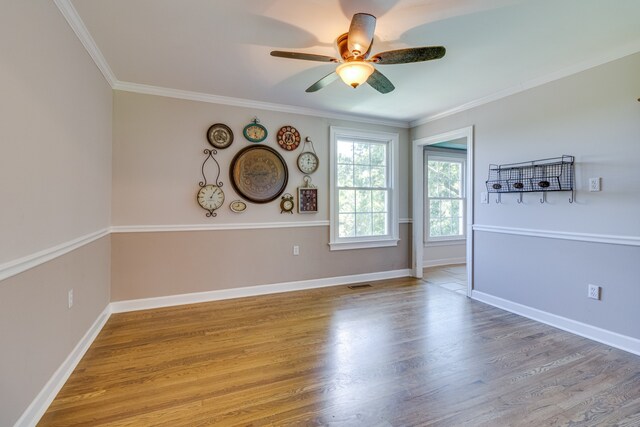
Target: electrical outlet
[[594, 184], [70, 298], [593, 292], [296, 250]]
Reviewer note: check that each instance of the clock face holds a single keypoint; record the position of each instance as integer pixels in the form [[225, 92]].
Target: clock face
[[210, 197], [307, 162], [286, 205], [255, 132], [238, 206], [220, 135]]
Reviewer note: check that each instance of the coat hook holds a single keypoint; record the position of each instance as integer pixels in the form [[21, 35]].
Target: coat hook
[[519, 200], [572, 197], [499, 198], [544, 197]]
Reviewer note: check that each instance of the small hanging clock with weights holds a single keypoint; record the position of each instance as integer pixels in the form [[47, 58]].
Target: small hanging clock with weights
[[210, 197], [254, 131], [308, 161]]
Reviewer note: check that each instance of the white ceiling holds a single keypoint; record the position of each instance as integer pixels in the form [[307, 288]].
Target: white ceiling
[[221, 48]]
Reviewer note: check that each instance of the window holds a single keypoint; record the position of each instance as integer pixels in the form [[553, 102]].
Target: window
[[364, 199], [445, 198]]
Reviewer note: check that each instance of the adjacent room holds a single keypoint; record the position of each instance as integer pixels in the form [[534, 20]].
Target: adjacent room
[[341, 213]]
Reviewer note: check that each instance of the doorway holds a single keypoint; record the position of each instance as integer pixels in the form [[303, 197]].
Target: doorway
[[460, 136]]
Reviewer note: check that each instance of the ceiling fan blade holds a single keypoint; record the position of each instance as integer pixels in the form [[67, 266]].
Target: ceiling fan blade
[[412, 54], [379, 82], [361, 32], [304, 56], [325, 81]]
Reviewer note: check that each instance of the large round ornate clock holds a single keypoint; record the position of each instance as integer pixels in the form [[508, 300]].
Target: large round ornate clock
[[258, 173]]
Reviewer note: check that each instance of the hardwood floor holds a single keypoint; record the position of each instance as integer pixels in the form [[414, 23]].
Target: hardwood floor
[[399, 353]]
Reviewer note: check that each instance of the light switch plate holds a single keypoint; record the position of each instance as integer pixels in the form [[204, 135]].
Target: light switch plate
[[594, 184]]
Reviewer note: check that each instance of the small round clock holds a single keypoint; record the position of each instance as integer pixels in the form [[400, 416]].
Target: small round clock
[[288, 138], [220, 135], [210, 197], [254, 131], [308, 162], [238, 206], [286, 203]]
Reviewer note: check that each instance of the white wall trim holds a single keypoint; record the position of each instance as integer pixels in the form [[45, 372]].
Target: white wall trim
[[563, 235], [249, 103], [249, 291], [623, 342], [39, 405], [444, 261], [77, 25], [565, 72], [212, 227], [17, 266]]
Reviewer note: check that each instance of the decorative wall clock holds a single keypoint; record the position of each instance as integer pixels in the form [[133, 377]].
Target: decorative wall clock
[[220, 135], [254, 131], [307, 197], [286, 203], [288, 138], [258, 173], [238, 206], [308, 161], [210, 196]]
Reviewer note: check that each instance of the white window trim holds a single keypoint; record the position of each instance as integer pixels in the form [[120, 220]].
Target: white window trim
[[442, 241], [392, 139]]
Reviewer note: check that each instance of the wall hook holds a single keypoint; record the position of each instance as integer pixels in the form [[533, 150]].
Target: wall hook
[[499, 199], [572, 198], [519, 200], [544, 198]]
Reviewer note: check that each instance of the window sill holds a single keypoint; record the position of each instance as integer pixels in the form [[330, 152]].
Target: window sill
[[343, 246], [448, 242]]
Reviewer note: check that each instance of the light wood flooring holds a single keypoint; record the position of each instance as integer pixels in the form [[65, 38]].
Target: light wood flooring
[[402, 352]]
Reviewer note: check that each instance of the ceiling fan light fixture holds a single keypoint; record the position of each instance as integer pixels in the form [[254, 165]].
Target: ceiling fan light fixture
[[354, 73]]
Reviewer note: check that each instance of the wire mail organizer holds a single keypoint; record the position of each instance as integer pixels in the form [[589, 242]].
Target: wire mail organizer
[[543, 176]]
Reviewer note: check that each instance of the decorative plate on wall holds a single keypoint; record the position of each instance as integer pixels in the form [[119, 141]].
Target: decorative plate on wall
[[220, 135], [288, 138], [258, 173]]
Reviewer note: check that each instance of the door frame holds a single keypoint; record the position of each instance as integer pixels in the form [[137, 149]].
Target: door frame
[[418, 199]]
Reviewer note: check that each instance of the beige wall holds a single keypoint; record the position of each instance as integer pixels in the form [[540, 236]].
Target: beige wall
[[157, 155], [55, 186], [158, 148]]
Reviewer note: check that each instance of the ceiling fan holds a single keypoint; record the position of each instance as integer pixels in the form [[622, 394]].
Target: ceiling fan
[[355, 66]]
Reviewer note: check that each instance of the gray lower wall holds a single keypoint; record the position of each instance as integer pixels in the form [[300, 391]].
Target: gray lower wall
[[553, 274], [37, 328]]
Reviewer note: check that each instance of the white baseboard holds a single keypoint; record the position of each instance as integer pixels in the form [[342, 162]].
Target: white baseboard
[[39, 405], [443, 261], [613, 339], [196, 297]]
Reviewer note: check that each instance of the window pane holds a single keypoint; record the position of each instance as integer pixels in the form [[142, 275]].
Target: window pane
[[346, 225], [361, 153], [379, 201], [444, 178], [362, 176], [346, 201], [345, 176], [345, 152], [446, 218], [378, 155], [379, 224], [363, 224], [378, 177], [363, 201]]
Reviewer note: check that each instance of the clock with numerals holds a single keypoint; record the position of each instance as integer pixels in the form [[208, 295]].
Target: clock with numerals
[[308, 162], [286, 204], [210, 197]]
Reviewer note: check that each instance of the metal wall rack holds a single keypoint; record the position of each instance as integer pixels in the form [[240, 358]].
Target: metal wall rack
[[537, 176]]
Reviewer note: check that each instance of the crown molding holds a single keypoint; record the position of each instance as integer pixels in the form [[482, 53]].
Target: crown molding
[[77, 25], [248, 103], [565, 72]]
